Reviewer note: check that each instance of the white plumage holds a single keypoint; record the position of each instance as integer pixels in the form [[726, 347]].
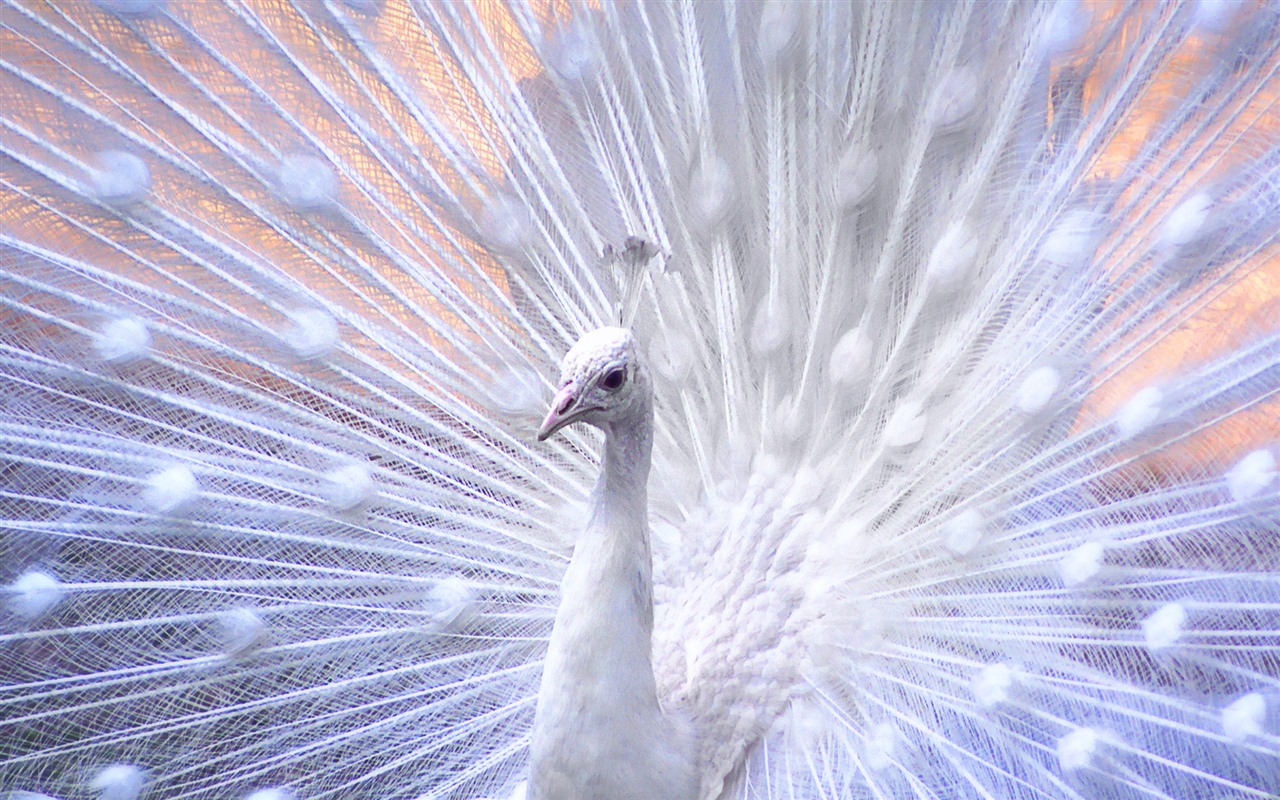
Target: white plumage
[[959, 326], [601, 729]]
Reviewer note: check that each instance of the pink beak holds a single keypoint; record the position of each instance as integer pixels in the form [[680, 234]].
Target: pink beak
[[562, 412]]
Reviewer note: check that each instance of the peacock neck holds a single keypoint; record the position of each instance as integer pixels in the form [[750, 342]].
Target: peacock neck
[[600, 731], [621, 496]]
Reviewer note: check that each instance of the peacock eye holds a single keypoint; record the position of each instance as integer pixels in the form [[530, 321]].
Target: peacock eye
[[614, 378]]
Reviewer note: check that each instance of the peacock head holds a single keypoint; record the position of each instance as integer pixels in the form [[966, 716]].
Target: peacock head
[[602, 381]]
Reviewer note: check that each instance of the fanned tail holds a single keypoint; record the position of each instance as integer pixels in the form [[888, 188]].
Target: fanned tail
[[964, 474], [270, 507]]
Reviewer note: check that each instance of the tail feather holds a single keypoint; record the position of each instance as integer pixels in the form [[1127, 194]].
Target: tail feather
[[966, 378]]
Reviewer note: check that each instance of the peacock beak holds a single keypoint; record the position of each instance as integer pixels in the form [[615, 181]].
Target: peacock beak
[[563, 411]]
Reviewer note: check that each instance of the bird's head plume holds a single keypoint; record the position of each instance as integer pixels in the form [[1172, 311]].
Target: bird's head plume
[[602, 380]]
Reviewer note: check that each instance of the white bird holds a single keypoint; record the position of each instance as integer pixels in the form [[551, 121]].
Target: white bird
[[933, 346], [600, 730]]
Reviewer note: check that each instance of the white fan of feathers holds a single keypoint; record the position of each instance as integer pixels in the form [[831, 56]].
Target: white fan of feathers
[[961, 325]]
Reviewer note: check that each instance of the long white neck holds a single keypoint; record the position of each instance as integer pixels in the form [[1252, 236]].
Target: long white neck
[[620, 502], [600, 731]]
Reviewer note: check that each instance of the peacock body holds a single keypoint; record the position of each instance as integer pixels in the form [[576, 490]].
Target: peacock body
[[963, 351]]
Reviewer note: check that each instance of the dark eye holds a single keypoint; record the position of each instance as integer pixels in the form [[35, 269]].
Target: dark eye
[[614, 378]]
